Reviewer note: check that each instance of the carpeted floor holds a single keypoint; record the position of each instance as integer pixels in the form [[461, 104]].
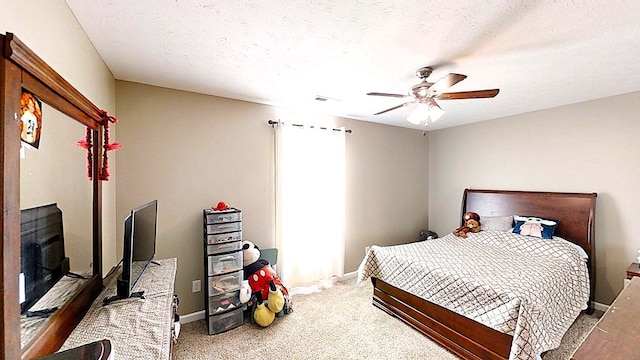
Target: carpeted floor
[[335, 323]]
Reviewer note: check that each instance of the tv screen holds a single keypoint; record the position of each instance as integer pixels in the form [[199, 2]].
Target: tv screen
[[139, 246], [42, 256]]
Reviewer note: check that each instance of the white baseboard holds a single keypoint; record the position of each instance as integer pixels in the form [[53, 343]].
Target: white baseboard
[[600, 307], [349, 276], [198, 315]]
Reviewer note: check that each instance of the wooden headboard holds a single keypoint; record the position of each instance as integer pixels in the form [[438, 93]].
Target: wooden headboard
[[576, 212]]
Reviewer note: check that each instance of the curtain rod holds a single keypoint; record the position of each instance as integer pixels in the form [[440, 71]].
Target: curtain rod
[[272, 123]]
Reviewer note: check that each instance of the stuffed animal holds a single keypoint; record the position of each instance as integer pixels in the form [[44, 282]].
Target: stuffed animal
[[267, 291], [471, 224]]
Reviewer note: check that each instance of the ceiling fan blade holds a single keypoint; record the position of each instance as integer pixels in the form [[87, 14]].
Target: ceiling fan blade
[[393, 108], [477, 94], [386, 94], [445, 83]]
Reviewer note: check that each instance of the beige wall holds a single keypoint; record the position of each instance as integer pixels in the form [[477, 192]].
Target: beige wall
[[190, 151], [52, 32], [586, 147]]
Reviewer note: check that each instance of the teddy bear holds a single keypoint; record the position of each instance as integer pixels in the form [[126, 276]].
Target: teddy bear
[[471, 224], [268, 295]]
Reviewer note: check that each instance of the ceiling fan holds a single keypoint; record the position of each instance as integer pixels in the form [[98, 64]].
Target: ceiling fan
[[425, 95]]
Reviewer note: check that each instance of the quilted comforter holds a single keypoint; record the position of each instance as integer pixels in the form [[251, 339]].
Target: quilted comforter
[[530, 288]]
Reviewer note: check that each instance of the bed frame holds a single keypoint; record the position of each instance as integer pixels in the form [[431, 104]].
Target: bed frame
[[461, 335]]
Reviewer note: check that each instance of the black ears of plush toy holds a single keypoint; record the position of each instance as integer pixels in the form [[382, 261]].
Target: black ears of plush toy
[[247, 245]]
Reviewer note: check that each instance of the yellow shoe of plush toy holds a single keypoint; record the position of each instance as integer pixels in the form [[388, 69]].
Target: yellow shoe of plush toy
[[275, 301], [263, 316]]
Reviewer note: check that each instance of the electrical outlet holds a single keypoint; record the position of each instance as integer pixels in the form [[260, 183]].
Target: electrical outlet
[[196, 286]]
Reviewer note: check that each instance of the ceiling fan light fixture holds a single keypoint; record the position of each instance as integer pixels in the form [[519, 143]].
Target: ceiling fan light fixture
[[425, 94], [419, 114], [435, 111]]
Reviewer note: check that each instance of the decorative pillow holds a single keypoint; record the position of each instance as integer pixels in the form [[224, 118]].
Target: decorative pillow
[[499, 223], [535, 226]]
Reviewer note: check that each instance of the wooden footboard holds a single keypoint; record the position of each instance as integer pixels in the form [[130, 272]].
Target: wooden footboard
[[461, 335]]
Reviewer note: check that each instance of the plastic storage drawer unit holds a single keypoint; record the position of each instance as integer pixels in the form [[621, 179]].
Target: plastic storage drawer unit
[[222, 234]]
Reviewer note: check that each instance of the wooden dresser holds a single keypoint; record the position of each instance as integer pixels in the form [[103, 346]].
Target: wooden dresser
[[138, 328], [616, 335]]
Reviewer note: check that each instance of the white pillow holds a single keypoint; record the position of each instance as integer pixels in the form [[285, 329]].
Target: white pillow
[[499, 223]]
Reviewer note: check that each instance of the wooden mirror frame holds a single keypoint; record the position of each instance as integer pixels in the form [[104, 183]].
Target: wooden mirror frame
[[21, 68]]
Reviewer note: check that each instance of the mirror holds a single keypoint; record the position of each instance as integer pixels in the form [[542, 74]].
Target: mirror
[[22, 69], [56, 173]]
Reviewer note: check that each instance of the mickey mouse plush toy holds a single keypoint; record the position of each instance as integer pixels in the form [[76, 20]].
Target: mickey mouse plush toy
[[471, 224], [271, 297]]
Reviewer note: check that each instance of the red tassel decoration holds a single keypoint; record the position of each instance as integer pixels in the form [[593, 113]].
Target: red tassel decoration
[[87, 145], [106, 119]]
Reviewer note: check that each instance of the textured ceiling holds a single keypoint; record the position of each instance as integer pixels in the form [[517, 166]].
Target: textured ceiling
[[539, 53]]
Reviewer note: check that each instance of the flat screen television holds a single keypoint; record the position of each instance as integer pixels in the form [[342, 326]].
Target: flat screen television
[[42, 256], [139, 247]]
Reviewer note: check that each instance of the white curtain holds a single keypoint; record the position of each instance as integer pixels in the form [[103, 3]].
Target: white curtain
[[310, 203]]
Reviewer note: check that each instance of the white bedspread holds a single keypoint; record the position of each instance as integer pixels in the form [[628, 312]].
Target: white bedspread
[[530, 288]]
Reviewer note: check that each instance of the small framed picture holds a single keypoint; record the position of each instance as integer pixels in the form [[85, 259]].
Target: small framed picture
[[30, 119]]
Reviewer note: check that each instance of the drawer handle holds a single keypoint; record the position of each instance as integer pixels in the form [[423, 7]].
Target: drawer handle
[[221, 227], [222, 247], [225, 218], [226, 278], [226, 258]]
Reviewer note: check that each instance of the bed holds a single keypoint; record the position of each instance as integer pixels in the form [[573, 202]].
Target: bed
[[406, 278]]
